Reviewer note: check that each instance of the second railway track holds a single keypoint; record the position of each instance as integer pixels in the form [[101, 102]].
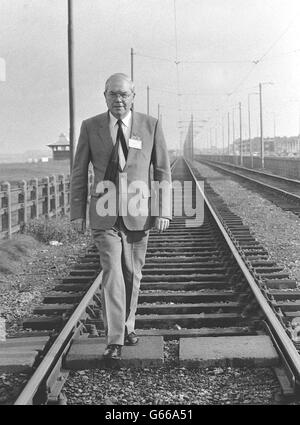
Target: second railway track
[[283, 192], [210, 280]]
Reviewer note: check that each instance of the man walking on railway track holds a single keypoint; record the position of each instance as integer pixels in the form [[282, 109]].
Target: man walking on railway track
[[123, 146]]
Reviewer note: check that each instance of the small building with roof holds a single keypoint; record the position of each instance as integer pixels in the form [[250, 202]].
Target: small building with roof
[[61, 148]]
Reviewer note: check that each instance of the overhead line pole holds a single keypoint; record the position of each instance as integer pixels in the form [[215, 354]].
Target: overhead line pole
[[249, 131], [223, 136], [249, 127], [241, 141], [131, 64], [131, 70], [262, 153], [228, 124], [148, 100], [177, 62], [192, 131], [216, 136], [71, 82], [233, 133]]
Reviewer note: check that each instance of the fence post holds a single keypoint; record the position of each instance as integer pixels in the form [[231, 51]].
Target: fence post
[[63, 194], [7, 184], [24, 182], [36, 197], [68, 182], [55, 194], [48, 195], [58, 181]]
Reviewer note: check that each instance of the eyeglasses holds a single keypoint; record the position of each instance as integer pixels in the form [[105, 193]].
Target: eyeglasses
[[122, 95]]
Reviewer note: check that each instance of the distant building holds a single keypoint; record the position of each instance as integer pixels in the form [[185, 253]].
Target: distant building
[[34, 160], [61, 148], [279, 146]]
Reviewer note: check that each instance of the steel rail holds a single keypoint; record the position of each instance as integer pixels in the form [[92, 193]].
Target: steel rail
[[257, 172], [173, 164], [53, 355], [275, 323], [258, 182]]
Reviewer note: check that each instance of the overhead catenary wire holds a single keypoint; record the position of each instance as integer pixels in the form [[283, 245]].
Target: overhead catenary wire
[[241, 82], [187, 93], [202, 61], [219, 62], [253, 63], [258, 61], [280, 55], [154, 57], [275, 42], [177, 62], [175, 93]]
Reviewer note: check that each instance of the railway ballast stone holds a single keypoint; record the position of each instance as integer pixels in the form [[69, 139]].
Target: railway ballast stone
[[234, 351]]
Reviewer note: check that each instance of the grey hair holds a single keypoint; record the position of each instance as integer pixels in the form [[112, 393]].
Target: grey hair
[[121, 76]]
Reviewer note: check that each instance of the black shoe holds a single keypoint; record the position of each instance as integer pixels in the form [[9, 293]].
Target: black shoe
[[131, 339], [113, 351]]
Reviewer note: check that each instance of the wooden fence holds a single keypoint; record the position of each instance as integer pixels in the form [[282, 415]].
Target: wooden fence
[[21, 201], [24, 200]]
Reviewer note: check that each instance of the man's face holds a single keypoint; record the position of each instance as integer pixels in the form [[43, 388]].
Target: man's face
[[119, 97]]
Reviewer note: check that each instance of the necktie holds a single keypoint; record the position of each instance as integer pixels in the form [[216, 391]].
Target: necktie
[[122, 145], [114, 160]]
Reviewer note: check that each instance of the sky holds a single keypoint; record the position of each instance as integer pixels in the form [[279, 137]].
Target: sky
[[199, 57]]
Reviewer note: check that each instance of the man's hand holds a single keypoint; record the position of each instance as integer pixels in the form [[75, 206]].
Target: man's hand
[[79, 224], [161, 224]]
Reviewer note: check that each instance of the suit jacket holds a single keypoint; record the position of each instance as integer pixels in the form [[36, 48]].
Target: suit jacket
[[95, 145]]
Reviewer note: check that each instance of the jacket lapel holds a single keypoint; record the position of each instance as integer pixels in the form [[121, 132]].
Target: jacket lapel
[[135, 125], [103, 130]]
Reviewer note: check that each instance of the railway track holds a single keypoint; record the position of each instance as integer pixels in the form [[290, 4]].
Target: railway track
[[210, 280], [283, 192]]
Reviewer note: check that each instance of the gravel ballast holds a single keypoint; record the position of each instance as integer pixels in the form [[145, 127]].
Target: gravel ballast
[[32, 273], [171, 385], [35, 274]]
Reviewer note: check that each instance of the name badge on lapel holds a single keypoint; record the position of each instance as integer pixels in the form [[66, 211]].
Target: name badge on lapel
[[135, 143]]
